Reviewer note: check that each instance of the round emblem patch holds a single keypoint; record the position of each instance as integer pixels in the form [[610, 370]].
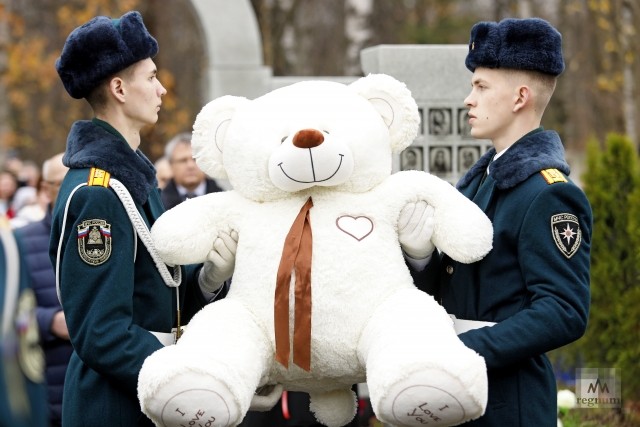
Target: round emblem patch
[[30, 354], [94, 241], [566, 233]]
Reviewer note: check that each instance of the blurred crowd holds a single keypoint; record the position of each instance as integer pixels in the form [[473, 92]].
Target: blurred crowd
[[22, 198]]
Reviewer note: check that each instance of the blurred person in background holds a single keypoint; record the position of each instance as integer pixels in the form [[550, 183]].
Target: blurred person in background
[[8, 187], [188, 180], [29, 205], [163, 171], [22, 393], [54, 335], [13, 163], [29, 174]]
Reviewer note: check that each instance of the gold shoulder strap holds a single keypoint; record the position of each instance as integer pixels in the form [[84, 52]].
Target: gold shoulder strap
[[552, 176], [98, 177]]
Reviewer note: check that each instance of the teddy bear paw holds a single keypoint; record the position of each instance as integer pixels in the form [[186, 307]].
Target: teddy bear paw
[[192, 399], [432, 397]]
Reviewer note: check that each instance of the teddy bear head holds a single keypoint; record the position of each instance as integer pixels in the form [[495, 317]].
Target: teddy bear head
[[309, 136]]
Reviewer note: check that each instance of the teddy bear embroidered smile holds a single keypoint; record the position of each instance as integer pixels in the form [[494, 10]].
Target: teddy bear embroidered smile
[[321, 296]]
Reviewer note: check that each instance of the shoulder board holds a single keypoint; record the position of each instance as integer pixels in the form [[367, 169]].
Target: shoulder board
[[98, 178], [552, 176]]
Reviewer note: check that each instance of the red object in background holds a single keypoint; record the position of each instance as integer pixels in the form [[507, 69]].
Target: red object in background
[[285, 405]]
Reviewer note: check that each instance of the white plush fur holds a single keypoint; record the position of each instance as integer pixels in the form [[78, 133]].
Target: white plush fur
[[369, 322]]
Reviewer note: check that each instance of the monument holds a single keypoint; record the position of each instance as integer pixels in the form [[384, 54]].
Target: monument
[[435, 74]]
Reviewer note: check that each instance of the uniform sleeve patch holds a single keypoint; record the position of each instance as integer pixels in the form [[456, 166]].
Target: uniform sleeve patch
[[94, 241], [566, 233], [552, 176]]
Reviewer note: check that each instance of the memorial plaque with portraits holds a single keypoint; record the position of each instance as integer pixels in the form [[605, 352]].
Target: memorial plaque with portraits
[[444, 145]]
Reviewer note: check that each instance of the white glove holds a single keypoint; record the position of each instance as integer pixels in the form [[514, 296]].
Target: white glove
[[266, 397], [415, 228], [220, 263]]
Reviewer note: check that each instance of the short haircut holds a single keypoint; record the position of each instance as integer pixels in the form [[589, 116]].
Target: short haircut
[[99, 95], [543, 85]]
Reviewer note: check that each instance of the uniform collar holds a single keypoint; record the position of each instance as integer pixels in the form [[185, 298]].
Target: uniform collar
[[97, 144], [536, 151]]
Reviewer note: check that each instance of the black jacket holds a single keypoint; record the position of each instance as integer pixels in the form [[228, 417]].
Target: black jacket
[[171, 197]]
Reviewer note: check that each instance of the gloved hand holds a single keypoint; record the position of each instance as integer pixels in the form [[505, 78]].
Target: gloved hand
[[415, 228], [266, 397], [220, 263]]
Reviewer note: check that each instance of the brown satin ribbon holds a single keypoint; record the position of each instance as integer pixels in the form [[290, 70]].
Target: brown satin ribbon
[[296, 254]]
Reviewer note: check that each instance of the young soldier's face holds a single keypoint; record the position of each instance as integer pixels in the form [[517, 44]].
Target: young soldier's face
[[490, 103], [143, 92]]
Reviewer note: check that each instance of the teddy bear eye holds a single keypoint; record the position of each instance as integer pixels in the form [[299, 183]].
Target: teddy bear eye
[[326, 131], [283, 138]]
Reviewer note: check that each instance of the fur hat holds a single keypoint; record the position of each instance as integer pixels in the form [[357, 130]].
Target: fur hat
[[520, 44], [101, 48]]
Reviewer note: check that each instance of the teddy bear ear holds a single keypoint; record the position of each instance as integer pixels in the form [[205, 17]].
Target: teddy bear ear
[[209, 133], [393, 101]]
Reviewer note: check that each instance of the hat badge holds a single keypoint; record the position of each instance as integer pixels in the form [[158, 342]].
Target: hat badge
[[473, 45]]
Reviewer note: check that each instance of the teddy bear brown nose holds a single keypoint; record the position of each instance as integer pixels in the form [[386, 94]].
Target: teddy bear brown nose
[[308, 138]]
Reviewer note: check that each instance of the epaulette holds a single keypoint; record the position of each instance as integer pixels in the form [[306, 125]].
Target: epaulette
[[553, 176], [98, 177]]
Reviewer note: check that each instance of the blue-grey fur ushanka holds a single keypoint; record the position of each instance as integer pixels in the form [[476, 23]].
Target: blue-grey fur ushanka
[[101, 48], [520, 44]]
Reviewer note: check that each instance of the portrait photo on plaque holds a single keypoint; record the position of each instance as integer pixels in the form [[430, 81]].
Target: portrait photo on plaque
[[464, 128], [440, 159], [439, 121], [411, 159], [467, 156]]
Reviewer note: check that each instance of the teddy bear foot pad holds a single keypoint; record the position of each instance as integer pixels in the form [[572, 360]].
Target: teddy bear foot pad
[[431, 398], [183, 404]]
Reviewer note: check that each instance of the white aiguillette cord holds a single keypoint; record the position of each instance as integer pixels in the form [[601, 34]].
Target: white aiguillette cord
[[172, 281]]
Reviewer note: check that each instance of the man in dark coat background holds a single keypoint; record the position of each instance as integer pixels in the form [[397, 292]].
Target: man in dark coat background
[[188, 180]]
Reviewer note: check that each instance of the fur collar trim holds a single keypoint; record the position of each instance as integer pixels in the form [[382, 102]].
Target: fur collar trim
[[532, 153], [90, 145]]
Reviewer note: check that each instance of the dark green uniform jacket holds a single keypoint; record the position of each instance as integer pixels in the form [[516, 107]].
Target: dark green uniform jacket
[[535, 281], [111, 292], [23, 399]]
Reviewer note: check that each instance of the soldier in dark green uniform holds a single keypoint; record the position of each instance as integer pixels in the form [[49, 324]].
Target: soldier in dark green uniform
[[120, 301], [23, 399], [530, 294]]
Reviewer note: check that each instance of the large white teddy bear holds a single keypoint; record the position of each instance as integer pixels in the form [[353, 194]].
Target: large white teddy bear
[[321, 297]]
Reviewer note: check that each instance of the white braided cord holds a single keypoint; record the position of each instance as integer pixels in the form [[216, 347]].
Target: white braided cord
[[143, 232], [139, 226]]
